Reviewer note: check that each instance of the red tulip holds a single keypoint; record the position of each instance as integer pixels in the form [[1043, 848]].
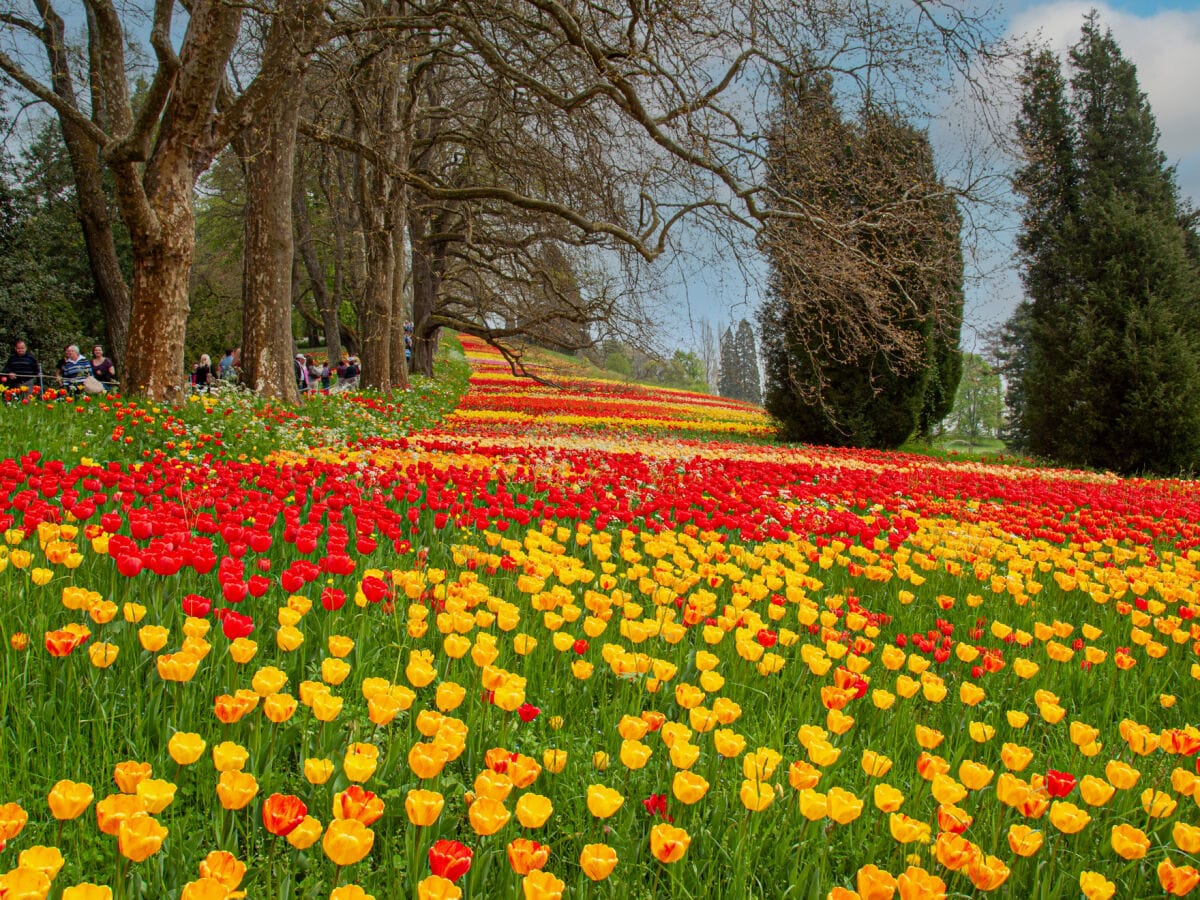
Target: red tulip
[[1059, 784], [283, 813], [450, 859]]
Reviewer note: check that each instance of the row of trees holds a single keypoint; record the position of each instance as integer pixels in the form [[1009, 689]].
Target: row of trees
[[740, 377], [864, 308], [504, 167], [1102, 358]]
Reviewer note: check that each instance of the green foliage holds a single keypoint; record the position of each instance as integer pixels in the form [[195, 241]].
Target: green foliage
[[617, 362], [683, 369], [46, 290], [978, 404], [215, 312], [1103, 365]]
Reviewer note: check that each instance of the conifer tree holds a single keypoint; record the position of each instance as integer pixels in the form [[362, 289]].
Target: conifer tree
[[749, 385], [727, 385], [1113, 373]]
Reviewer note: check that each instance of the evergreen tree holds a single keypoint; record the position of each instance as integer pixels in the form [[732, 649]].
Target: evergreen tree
[[749, 379], [1111, 375], [894, 261], [1008, 351], [727, 382]]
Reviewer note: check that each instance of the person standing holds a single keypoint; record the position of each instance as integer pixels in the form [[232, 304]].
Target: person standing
[[103, 368], [225, 367], [301, 365], [22, 368]]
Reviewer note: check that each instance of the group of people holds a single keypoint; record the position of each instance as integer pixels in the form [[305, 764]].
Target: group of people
[[205, 377], [97, 373], [74, 372], [312, 376]]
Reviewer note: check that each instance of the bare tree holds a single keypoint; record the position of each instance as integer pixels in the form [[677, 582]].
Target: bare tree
[[156, 151], [709, 352]]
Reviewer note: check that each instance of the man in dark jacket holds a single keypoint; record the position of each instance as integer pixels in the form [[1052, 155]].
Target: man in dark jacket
[[22, 368]]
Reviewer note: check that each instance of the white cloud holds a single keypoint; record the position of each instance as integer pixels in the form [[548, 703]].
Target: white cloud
[[1164, 46]]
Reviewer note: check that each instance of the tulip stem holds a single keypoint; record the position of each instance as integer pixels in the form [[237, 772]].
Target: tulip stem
[[271, 866]]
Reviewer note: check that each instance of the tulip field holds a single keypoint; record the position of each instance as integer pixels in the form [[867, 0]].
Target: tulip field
[[576, 637]]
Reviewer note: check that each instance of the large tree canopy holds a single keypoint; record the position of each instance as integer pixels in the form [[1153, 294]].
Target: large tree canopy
[[860, 327]]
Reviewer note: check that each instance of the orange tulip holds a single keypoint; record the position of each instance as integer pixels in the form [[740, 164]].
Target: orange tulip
[[1023, 840], [283, 813], [917, 884], [526, 856], [128, 775], [24, 884], [906, 830], [427, 760], [1095, 791], [69, 799], [185, 747], [844, 807], [223, 866], [87, 891], [533, 810], [1067, 817], [47, 860], [437, 888], [357, 803], [487, 815], [597, 861], [235, 790], [539, 885], [140, 837], [156, 794], [874, 883], [954, 851], [1095, 886], [1177, 880], [1186, 837], [423, 807], [305, 834], [603, 801], [668, 843], [688, 787], [115, 809], [987, 872], [347, 841]]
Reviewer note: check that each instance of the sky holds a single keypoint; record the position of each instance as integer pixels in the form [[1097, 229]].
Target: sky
[[1161, 38]]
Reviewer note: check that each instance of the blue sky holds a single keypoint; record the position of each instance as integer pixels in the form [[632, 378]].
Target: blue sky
[[1161, 38]]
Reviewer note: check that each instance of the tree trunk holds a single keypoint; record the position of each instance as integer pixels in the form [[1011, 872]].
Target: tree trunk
[[94, 217], [377, 308], [400, 290], [326, 306], [425, 286], [158, 319], [267, 148], [96, 222]]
